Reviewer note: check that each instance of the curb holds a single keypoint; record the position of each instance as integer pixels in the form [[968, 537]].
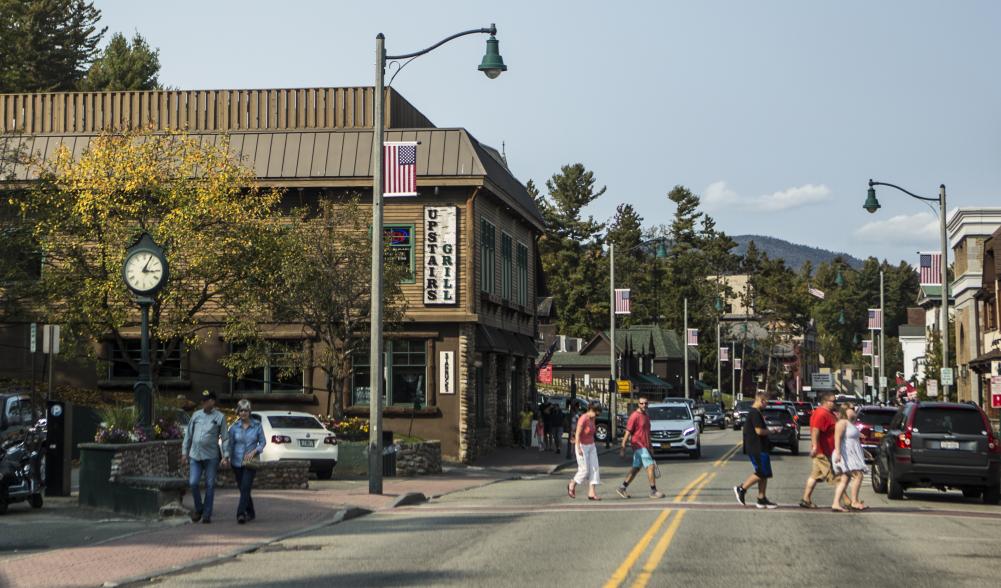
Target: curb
[[408, 499]]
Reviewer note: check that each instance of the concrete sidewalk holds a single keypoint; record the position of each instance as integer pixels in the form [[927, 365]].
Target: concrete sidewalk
[[280, 514]]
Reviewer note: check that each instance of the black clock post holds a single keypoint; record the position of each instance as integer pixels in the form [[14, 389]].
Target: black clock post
[[143, 388]]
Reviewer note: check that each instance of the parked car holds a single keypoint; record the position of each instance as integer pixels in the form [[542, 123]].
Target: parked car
[[790, 406], [872, 423], [602, 424], [298, 435], [673, 429], [804, 410], [740, 414], [714, 416], [782, 429], [939, 445]]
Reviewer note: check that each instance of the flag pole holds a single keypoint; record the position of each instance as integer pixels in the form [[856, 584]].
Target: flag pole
[[614, 388], [685, 340], [733, 372], [882, 339]]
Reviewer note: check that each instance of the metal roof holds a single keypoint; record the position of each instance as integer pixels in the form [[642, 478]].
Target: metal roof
[[332, 154]]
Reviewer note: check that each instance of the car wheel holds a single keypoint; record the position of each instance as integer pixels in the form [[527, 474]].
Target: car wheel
[[324, 474], [722, 426], [894, 491], [992, 494], [794, 448], [601, 432], [878, 482], [36, 500], [697, 453], [3, 507], [971, 492]]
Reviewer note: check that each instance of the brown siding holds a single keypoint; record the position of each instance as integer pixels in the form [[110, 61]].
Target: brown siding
[[203, 110], [505, 220]]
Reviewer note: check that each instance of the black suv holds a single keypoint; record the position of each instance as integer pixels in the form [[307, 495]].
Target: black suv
[[939, 445], [782, 429]]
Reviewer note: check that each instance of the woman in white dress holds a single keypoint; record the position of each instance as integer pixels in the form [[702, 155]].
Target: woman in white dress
[[848, 458]]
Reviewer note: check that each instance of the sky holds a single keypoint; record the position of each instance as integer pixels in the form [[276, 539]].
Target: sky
[[775, 112]]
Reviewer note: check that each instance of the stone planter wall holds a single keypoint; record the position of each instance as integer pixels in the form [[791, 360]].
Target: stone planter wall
[[418, 459]]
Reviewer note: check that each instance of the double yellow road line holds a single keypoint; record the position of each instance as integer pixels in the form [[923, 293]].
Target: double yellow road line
[[687, 494]]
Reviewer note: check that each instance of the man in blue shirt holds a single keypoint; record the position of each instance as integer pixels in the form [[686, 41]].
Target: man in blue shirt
[[205, 443]]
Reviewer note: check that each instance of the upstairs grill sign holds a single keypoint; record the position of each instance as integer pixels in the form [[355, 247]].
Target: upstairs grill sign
[[441, 268]]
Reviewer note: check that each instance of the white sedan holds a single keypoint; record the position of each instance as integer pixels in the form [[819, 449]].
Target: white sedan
[[298, 435]]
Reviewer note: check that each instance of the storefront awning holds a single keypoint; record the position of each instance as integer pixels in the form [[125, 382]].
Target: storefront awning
[[493, 340], [982, 363], [647, 381]]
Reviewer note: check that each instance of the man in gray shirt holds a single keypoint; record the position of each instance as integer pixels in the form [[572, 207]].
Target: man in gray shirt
[[201, 446]]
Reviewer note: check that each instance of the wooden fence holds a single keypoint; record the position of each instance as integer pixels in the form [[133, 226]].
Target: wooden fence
[[203, 110]]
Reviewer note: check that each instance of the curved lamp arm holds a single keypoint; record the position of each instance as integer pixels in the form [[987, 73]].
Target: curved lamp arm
[[492, 30], [911, 194]]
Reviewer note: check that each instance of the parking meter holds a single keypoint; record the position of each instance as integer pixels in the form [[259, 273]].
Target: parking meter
[[59, 444]]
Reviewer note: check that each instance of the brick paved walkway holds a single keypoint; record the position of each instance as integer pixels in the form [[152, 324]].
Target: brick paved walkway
[[158, 551]]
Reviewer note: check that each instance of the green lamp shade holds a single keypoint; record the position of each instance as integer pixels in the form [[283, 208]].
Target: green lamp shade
[[839, 280], [661, 251], [492, 64], [871, 204]]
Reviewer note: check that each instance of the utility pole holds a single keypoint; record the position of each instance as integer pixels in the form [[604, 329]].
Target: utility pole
[[882, 340], [944, 319], [685, 341], [614, 387], [733, 372], [376, 360], [719, 363]]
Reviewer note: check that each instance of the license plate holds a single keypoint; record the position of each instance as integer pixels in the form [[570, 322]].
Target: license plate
[[950, 445], [307, 442], [655, 444], [775, 429], [879, 435]]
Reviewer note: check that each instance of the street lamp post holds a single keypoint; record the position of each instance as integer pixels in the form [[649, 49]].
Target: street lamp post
[[872, 205], [492, 65]]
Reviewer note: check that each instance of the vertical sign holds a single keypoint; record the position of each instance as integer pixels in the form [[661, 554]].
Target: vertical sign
[[995, 391], [34, 337], [50, 339], [546, 374], [441, 268], [446, 374], [931, 388]]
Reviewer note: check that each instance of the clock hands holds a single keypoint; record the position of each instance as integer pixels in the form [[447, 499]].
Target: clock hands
[[149, 259]]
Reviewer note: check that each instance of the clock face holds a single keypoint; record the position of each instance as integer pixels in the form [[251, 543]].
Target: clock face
[[143, 271]]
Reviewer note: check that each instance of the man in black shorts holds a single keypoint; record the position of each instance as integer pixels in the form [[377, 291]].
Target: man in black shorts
[[756, 448]]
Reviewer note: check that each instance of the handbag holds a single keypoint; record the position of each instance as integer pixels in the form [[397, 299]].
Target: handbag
[[252, 462], [656, 470]]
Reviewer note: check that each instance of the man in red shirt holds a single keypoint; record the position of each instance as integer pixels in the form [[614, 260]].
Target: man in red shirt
[[822, 424], [638, 433]]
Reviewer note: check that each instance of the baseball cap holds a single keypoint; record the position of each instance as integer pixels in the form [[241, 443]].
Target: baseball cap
[[208, 395]]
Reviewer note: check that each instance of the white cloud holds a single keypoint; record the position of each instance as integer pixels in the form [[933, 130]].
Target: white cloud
[[904, 229], [793, 197], [718, 196]]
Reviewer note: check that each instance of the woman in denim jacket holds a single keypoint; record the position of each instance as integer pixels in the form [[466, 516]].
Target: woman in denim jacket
[[246, 440]]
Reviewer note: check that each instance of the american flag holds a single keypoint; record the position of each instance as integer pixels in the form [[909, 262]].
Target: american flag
[[875, 319], [622, 301], [549, 354], [693, 336], [736, 363], [867, 347], [400, 168], [817, 292], [724, 354], [930, 268]]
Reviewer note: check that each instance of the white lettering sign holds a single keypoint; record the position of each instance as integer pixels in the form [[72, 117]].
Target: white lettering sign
[[441, 267], [446, 372]]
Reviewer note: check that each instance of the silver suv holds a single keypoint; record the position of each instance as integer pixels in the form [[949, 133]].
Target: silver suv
[[673, 429]]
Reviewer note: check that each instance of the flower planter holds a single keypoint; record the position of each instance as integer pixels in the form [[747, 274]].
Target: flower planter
[[352, 459]]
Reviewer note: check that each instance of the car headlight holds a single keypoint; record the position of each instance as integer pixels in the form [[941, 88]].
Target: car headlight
[[688, 431]]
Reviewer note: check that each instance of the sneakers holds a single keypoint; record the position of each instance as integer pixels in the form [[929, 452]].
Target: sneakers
[[765, 503], [657, 494], [739, 492], [206, 520], [196, 516], [621, 491]]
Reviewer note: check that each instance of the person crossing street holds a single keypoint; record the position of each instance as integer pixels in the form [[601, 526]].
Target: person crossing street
[[638, 435], [756, 448]]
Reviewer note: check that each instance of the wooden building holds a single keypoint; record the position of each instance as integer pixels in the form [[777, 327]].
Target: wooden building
[[470, 361]]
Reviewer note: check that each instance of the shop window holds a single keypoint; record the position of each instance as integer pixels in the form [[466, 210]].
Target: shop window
[[488, 256], [400, 239], [281, 373], [406, 361], [506, 269], [522, 275], [120, 369]]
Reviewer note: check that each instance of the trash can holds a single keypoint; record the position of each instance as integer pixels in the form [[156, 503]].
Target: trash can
[[388, 455]]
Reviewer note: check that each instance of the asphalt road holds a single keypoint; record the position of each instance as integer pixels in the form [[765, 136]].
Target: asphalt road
[[529, 533]]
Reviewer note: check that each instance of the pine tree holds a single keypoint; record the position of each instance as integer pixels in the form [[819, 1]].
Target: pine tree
[[124, 65], [46, 45]]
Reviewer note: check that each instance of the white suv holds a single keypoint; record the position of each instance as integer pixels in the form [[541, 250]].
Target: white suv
[[673, 429]]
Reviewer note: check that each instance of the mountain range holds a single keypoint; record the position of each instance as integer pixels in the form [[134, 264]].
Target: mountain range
[[793, 254]]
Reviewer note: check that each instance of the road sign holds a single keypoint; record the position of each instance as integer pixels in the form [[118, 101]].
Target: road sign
[[946, 376], [34, 337], [821, 381], [931, 387], [995, 391], [50, 339], [882, 381], [546, 374], [624, 386]]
